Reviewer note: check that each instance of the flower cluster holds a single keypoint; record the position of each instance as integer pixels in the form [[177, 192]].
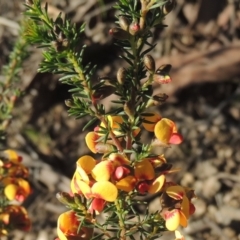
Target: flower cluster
[[116, 174], [14, 189], [123, 169]]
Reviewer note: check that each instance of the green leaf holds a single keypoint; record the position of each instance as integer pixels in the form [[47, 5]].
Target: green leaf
[[157, 5], [148, 50], [91, 122], [68, 76], [127, 60]]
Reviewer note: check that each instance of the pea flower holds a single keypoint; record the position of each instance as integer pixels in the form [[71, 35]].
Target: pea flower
[[149, 122], [67, 228], [166, 132], [162, 74], [93, 138], [177, 206], [91, 180], [10, 165], [164, 129], [12, 156], [16, 188], [14, 217], [147, 180]]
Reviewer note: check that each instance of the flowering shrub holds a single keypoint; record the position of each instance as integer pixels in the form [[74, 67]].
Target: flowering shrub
[[122, 168], [13, 186]]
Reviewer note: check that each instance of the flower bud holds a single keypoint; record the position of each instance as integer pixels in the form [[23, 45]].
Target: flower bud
[[60, 36], [168, 7], [164, 69], [162, 74], [103, 92], [78, 200], [163, 167], [66, 199], [60, 45], [69, 102], [65, 43], [56, 29], [106, 80], [29, 2], [139, 42], [119, 33], [128, 109], [157, 100], [142, 187], [59, 20], [161, 97], [123, 23], [149, 63], [121, 75], [103, 147], [134, 28]]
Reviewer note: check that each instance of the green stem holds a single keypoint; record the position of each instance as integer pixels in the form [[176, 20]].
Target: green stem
[[121, 220], [79, 71]]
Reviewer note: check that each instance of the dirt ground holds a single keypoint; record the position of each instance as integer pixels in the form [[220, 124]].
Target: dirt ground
[[202, 43]]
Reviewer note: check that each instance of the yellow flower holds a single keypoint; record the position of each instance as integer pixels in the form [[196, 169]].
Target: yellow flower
[[114, 124], [144, 170], [147, 181], [126, 184], [13, 156], [180, 207], [102, 171], [91, 180], [149, 122], [85, 164], [16, 188], [101, 192], [14, 217], [91, 141], [166, 132], [68, 228]]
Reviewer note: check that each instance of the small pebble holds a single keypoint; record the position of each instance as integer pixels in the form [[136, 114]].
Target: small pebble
[[211, 187]]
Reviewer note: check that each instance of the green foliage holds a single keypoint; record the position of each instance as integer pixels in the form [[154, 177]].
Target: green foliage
[[9, 89], [64, 53]]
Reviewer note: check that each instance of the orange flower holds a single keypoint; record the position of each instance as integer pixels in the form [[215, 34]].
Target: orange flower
[[181, 207], [14, 217], [103, 171], [91, 180], [127, 183], [144, 170], [118, 159], [18, 170], [162, 74], [157, 161], [16, 188], [85, 164], [13, 156], [145, 174], [166, 132], [91, 141], [114, 124], [149, 122], [101, 192], [67, 228]]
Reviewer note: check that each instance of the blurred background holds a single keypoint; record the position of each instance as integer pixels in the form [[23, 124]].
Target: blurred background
[[202, 43]]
